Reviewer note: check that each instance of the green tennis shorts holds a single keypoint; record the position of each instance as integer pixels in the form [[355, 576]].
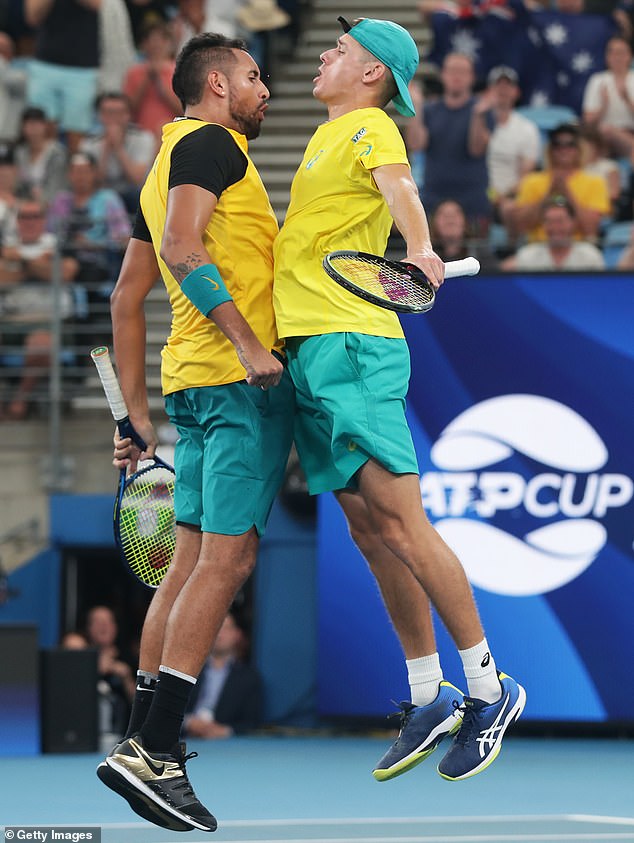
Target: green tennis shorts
[[231, 454], [350, 394]]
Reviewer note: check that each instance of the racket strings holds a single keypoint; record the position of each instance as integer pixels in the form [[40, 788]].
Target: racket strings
[[383, 281], [147, 528]]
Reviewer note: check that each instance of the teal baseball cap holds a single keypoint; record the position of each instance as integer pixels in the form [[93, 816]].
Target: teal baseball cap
[[393, 46]]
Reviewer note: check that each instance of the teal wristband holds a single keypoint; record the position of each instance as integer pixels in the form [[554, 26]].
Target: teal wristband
[[205, 288]]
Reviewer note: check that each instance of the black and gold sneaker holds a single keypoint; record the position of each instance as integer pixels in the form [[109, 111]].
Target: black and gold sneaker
[[140, 804], [160, 777]]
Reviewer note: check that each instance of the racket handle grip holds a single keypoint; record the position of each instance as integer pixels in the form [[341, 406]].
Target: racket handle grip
[[101, 358], [466, 266]]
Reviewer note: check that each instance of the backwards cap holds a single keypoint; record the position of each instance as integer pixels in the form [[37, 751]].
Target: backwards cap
[[395, 48]]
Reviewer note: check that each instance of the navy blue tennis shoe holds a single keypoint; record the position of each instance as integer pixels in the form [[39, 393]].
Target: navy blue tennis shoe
[[479, 740], [422, 729]]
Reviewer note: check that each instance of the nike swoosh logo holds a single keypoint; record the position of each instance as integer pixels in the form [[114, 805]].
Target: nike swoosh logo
[[157, 769]]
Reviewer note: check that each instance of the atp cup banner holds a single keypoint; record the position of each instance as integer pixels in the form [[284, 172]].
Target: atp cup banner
[[521, 407]]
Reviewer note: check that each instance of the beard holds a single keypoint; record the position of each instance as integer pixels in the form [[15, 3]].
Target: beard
[[248, 122]]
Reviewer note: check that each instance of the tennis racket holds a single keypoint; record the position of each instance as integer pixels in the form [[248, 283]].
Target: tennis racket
[[390, 284], [144, 524]]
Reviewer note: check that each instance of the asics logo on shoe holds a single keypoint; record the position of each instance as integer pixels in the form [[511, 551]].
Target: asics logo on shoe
[[488, 737], [485, 660]]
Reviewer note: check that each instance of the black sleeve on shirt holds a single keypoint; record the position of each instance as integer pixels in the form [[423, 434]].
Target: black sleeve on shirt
[[140, 231], [208, 157]]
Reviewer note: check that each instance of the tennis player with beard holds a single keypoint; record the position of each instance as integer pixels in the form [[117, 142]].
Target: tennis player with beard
[[207, 227], [350, 365]]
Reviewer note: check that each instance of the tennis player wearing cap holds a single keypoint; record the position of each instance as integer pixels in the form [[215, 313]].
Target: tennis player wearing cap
[[350, 364]]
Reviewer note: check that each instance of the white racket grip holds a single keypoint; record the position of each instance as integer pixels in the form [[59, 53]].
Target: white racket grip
[[101, 359], [466, 266]]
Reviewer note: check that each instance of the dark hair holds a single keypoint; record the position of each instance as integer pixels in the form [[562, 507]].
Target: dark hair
[[203, 52], [619, 37], [564, 129], [390, 88], [111, 95], [33, 113]]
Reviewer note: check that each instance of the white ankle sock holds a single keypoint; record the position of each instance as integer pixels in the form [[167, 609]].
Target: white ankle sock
[[480, 672], [424, 674]]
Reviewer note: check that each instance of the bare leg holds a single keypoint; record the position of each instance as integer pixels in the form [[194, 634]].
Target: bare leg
[[188, 542], [405, 600], [395, 506], [202, 603]]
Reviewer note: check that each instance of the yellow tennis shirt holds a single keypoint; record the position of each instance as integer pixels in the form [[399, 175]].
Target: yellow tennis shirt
[[239, 239], [335, 204]]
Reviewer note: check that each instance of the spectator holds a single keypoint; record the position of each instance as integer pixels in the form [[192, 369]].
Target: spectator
[[196, 16], [41, 159], [28, 302], [12, 91], [116, 677], [227, 698], [560, 251], [8, 191], [608, 101], [124, 153], [148, 83], [92, 224], [564, 177], [454, 132], [260, 18], [596, 160], [144, 13], [73, 641], [117, 50], [450, 239], [514, 148], [63, 74]]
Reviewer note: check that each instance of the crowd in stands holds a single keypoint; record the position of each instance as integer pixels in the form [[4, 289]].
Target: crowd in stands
[[525, 123], [85, 88], [523, 140], [227, 700]]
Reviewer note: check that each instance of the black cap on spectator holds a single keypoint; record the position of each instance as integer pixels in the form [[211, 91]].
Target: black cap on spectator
[[7, 154], [564, 129], [502, 71], [34, 113]]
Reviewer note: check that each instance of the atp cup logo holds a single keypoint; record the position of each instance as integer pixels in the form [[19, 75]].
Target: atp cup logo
[[560, 457]]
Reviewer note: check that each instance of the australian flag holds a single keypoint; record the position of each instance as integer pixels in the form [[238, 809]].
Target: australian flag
[[553, 52]]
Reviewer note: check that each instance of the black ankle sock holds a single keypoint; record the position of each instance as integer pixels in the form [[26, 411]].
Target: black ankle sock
[[162, 726], [143, 696]]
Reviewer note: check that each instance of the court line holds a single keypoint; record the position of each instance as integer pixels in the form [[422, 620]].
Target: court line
[[477, 838], [351, 821], [591, 818], [480, 818]]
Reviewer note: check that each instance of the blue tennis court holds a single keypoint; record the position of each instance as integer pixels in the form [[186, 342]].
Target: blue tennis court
[[297, 789]]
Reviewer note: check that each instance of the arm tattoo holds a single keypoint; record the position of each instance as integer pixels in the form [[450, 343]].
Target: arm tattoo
[[180, 270]]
